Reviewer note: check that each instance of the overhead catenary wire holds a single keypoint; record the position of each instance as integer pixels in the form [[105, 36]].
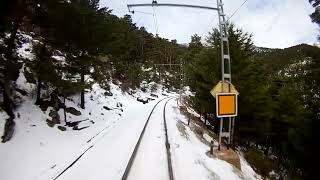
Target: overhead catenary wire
[[211, 22], [237, 10]]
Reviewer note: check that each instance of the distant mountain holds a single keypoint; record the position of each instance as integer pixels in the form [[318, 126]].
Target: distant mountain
[[279, 58], [264, 50]]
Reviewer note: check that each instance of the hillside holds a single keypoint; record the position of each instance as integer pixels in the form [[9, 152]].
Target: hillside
[[279, 58]]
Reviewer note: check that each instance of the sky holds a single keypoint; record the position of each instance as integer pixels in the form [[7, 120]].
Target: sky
[[273, 23]]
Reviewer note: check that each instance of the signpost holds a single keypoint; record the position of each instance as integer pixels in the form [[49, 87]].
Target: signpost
[[226, 107], [226, 104]]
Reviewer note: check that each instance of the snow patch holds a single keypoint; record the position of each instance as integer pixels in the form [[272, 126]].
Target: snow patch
[[3, 117]]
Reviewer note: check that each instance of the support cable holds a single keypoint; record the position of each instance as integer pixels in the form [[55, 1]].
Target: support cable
[[237, 10]]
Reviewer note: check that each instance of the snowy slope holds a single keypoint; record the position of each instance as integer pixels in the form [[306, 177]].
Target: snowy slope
[[37, 151], [3, 116], [190, 159], [40, 152], [102, 150]]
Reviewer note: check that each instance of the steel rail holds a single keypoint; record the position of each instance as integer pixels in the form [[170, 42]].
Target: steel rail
[[133, 155], [171, 176]]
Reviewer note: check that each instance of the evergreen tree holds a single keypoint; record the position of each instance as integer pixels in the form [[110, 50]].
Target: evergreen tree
[[85, 32], [315, 16], [11, 18]]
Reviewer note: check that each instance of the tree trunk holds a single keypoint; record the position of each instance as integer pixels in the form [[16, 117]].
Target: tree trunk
[[64, 110], [7, 101], [8, 104], [82, 91], [11, 41], [39, 85]]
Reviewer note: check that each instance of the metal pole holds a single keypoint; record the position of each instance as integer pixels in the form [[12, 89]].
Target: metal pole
[[172, 5], [220, 133], [222, 70], [225, 60], [181, 82]]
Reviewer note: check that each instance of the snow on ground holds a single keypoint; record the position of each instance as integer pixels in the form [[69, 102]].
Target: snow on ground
[[190, 159], [25, 51], [247, 170], [37, 151], [3, 116], [102, 150]]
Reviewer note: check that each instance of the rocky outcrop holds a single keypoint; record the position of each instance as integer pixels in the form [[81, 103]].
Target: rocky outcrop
[[73, 111], [8, 130]]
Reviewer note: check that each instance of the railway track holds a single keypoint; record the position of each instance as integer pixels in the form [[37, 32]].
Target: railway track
[[130, 163]]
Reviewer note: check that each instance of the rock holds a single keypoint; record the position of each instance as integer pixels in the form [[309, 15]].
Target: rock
[[62, 128], [154, 95], [108, 93], [55, 117], [8, 130], [43, 104], [131, 92], [144, 101], [143, 89], [50, 123], [73, 111], [107, 108], [73, 124], [55, 102], [78, 129], [22, 92]]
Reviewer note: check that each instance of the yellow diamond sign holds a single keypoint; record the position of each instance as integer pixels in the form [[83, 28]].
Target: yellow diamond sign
[[226, 86]]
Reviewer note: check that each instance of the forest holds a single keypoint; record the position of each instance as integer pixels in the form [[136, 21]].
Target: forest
[[279, 101]]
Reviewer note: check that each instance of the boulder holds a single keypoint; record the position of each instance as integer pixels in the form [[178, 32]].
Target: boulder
[[73, 111], [55, 117], [8, 130], [62, 128], [76, 128], [154, 95], [108, 93], [107, 108], [50, 123], [143, 100]]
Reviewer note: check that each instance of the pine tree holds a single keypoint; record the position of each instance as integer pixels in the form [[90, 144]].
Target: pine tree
[[85, 31], [11, 18], [315, 16]]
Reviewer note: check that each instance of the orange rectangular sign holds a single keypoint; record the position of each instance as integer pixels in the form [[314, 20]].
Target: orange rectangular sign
[[226, 104]]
